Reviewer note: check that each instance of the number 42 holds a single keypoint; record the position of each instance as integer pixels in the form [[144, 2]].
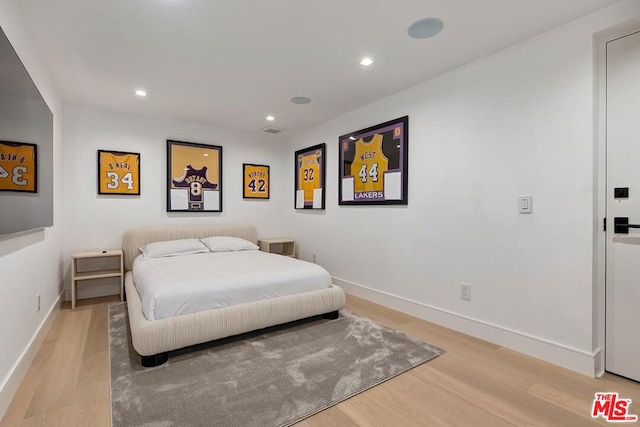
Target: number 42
[[260, 188]]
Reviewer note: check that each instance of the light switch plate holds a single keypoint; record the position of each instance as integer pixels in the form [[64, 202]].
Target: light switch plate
[[525, 204]]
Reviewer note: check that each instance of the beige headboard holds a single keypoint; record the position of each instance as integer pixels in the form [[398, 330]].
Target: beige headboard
[[136, 238]]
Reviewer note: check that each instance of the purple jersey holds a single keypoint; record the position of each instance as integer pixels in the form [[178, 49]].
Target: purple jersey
[[196, 180]]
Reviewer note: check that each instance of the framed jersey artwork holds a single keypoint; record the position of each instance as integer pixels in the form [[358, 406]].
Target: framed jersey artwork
[[255, 181], [310, 170], [18, 167], [373, 165], [118, 173], [194, 177]]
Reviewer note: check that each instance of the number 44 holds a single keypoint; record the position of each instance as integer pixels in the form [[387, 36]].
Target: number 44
[[373, 173]]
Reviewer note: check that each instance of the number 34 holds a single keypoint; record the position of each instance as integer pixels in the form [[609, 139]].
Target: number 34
[[113, 176], [17, 175]]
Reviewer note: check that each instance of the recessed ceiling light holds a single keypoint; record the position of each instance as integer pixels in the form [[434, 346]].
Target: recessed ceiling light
[[301, 100], [366, 61], [141, 92], [425, 28], [270, 118]]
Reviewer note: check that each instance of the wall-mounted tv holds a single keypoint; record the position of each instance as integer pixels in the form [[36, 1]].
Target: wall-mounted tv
[[26, 148]]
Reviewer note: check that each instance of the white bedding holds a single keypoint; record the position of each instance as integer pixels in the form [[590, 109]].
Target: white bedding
[[175, 286]]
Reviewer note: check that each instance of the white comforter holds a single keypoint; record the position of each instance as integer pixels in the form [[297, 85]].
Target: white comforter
[[175, 286]]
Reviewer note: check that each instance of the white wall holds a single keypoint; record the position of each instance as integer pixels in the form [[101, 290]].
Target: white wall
[[20, 282], [98, 221], [519, 122]]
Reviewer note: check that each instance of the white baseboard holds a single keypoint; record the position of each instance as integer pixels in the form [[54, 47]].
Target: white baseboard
[[580, 361], [11, 384]]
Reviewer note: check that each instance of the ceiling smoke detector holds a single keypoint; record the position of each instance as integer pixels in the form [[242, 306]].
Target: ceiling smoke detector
[[272, 129]]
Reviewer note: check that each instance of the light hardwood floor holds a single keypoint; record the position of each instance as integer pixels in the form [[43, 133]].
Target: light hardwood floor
[[474, 384]]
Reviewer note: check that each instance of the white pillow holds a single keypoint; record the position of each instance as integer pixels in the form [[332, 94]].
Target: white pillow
[[174, 248], [228, 244]]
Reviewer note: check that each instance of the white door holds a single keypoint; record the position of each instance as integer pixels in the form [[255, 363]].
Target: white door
[[623, 172]]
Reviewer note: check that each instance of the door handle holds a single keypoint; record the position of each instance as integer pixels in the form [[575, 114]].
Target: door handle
[[621, 225]]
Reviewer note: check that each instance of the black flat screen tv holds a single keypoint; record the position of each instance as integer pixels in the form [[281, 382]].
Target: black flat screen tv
[[26, 148]]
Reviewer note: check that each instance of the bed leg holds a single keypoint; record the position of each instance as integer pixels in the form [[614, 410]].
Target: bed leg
[[155, 360], [331, 316]]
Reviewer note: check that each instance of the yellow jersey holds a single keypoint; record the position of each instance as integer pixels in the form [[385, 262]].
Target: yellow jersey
[[369, 165], [18, 167], [309, 175], [256, 182], [119, 173]]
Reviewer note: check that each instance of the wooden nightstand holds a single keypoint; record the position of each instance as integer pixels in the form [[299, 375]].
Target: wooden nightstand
[[100, 265], [286, 247]]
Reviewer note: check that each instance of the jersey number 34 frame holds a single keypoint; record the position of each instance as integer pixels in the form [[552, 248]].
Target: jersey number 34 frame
[[118, 173]]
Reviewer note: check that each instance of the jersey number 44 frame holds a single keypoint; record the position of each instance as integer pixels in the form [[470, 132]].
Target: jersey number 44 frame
[[373, 168], [194, 177]]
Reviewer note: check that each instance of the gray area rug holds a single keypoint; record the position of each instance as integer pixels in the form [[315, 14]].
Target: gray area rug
[[273, 377]]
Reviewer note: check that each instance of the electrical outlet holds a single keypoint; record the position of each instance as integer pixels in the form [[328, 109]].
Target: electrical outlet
[[465, 292], [38, 304], [314, 257]]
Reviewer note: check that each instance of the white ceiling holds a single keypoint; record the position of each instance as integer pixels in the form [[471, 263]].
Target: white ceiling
[[229, 63]]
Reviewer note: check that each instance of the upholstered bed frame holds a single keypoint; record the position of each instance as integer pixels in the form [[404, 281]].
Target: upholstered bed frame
[[153, 339]]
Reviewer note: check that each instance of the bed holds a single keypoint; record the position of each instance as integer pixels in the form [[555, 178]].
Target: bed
[[173, 327]]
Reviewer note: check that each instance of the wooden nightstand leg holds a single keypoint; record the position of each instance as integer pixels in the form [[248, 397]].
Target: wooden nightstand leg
[[73, 294]]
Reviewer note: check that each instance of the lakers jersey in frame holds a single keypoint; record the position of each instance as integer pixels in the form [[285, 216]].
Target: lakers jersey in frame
[[118, 172], [255, 181], [18, 167], [310, 169], [194, 177], [197, 181], [309, 174], [369, 165], [373, 164]]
